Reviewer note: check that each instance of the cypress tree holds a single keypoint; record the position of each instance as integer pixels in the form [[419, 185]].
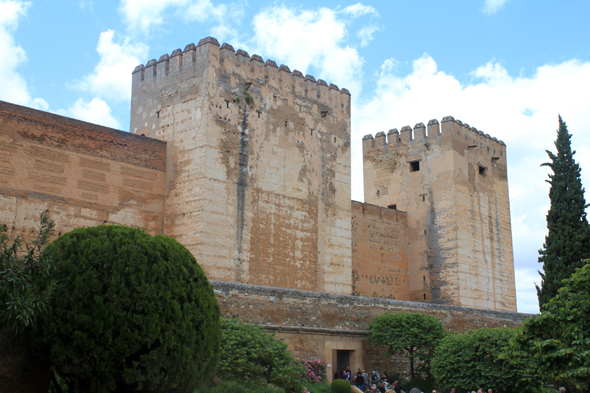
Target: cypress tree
[[567, 243]]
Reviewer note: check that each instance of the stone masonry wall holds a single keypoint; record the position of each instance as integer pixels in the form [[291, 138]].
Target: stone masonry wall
[[259, 186], [452, 183], [81, 173], [379, 252], [316, 324]]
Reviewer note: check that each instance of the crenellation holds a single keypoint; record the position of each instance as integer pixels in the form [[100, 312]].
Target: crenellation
[[393, 137], [419, 131], [257, 59], [380, 139], [284, 68], [297, 73], [309, 78], [406, 134], [271, 63], [433, 128], [322, 82], [208, 40]]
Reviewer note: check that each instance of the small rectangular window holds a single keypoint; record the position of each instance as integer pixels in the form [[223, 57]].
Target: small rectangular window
[[482, 171], [414, 166], [394, 207]]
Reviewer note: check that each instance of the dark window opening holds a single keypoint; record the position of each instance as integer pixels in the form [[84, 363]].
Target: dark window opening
[[423, 198], [424, 296], [285, 123], [424, 278], [334, 139], [488, 149], [311, 132], [394, 207], [425, 231], [259, 115], [414, 166], [227, 102], [482, 171]]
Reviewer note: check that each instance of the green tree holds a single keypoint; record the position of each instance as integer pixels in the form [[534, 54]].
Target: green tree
[[250, 355], [465, 361], [556, 343], [131, 312], [25, 290], [415, 335], [568, 240]]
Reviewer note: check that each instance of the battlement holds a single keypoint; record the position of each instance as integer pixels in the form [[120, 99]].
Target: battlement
[[187, 63], [448, 130]]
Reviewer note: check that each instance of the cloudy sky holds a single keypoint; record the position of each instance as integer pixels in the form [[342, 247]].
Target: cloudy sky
[[507, 67]]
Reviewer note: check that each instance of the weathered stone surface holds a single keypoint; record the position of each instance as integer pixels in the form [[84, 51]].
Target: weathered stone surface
[[81, 173], [458, 212], [259, 191]]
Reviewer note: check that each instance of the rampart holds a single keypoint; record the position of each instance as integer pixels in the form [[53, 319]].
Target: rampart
[[318, 324], [81, 173], [379, 252], [452, 181], [259, 188]]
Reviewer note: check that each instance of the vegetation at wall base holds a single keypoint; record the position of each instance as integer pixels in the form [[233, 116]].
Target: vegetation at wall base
[[413, 335], [425, 384], [25, 287], [131, 312], [568, 240], [556, 343], [473, 359], [340, 386], [251, 355], [239, 387]]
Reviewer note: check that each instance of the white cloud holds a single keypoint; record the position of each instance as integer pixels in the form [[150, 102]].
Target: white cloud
[[111, 77], [142, 16], [526, 294], [358, 9], [305, 38], [366, 34], [14, 87], [492, 6], [96, 111], [522, 111]]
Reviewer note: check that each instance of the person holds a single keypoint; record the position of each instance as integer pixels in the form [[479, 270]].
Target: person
[[347, 374], [453, 390], [374, 377], [305, 390], [397, 387], [480, 390], [366, 376], [374, 389], [382, 387], [562, 390], [358, 380], [337, 375], [434, 391], [490, 391]]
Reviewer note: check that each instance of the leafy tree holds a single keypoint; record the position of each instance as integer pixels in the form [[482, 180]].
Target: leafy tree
[[416, 335], [556, 343], [250, 355], [465, 361], [568, 240], [131, 312], [25, 290]]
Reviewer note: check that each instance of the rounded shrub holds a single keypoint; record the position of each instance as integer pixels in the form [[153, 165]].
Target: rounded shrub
[[340, 386], [131, 312]]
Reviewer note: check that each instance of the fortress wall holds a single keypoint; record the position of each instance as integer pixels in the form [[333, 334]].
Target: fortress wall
[[379, 252], [460, 248], [317, 324], [259, 191], [81, 173]]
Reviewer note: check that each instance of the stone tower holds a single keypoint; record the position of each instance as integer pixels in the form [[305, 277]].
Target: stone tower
[[452, 182], [258, 165]]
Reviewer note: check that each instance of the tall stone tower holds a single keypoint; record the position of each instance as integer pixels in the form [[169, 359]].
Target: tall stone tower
[[452, 182], [258, 171]]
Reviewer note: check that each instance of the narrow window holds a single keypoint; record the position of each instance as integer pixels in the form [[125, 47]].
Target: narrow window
[[425, 231], [424, 278], [488, 149], [482, 171], [285, 123], [259, 115], [227, 102], [311, 132], [394, 207], [423, 198], [414, 166], [334, 139], [424, 296]]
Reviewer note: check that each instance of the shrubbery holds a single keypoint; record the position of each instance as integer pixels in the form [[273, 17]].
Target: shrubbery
[[130, 312], [340, 386], [315, 370]]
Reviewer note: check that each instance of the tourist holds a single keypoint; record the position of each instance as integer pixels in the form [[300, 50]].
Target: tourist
[[337, 375], [397, 387], [359, 380], [374, 389], [347, 374], [366, 376]]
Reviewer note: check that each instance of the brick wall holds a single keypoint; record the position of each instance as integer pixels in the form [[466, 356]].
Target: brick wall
[[379, 252], [81, 173]]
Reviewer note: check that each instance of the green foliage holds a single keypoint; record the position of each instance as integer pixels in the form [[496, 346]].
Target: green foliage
[[472, 359], [25, 291], [321, 387], [249, 98], [425, 384], [130, 312], [340, 386], [568, 240], [556, 343], [239, 387], [249, 354], [415, 335]]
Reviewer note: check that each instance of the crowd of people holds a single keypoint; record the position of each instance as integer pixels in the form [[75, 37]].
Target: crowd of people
[[366, 383]]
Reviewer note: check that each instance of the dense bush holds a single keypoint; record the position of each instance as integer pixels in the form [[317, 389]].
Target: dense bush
[[425, 384], [239, 387], [250, 355], [130, 312], [474, 359], [340, 386], [315, 370]]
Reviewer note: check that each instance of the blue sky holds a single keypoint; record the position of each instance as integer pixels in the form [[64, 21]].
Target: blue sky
[[507, 67]]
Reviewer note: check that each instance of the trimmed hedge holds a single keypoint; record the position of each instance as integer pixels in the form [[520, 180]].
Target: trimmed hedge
[[131, 312], [340, 386]]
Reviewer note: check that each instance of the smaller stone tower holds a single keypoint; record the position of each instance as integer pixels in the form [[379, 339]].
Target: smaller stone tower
[[452, 182]]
